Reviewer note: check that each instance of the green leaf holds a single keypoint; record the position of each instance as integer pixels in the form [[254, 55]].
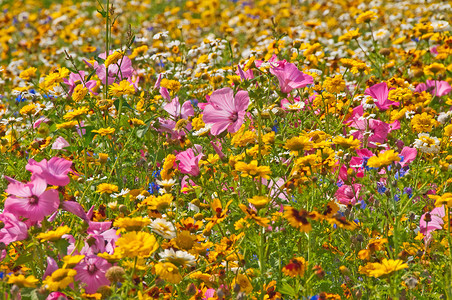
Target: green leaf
[[89, 134], [91, 75], [24, 258], [62, 245], [288, 290], [103, 13], [142, 131]]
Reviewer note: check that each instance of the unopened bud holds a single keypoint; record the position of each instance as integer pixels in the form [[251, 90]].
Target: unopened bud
[[105, 291], [115, 274], [191, 289], [385, 51]]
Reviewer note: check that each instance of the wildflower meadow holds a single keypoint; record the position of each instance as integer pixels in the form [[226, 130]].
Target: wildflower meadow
[[225, 149]]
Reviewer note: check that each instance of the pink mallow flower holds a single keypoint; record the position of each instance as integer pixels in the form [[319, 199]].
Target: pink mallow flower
[[53, 171], [348, 194], [435, 87], [375, 131], [91, 271], [60, 143], [436, 222], [225, 111], [56, 296], [290, 77], [31, 200], [188, 162], [13, 230], [380, 92]]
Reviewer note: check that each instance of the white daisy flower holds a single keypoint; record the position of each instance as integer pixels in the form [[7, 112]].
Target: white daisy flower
[[179, 258], [426, 143], [163, 228]]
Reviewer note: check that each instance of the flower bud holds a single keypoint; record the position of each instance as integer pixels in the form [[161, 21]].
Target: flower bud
[[115, 274]]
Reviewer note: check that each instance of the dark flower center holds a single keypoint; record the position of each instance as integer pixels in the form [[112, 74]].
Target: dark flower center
[[33, 199], [234, 117], [91, 269]]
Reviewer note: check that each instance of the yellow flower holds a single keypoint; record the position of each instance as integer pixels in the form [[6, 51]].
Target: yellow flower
[[185, 240], [138, 51], [28, 109], [269, 138], [123, 88], [385, 267], [113, 58], [172, 85], [168, 164], [106, 188], [434, 69], [252, 170], [132, 224], [105, 131], [76, 114], [180, 125], [446, 199], [59, 279], [103, 158], [423, 122], [197, 123], [136, 122], [28, 73], [66, 125], [366, 17], [334, 85], [159, 203], [54, 78], [21, 281], [298, 218], [251, 214], [349, 142], [307, 160], [244, 283], [298, 143], [243, 138], [167, 271], [383, 159], [79, 93], [71, 260], [259, 201], [349, 35], [296, 267], [54, 235], [136, 244]]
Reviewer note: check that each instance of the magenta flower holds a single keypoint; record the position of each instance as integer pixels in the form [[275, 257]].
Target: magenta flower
[[375, 131], [380, 92], [56, 296], [248, 74], [60, 143], [53, 171], [40, 121], [52, 266], [436, 222], [408, 155], [116, 72], [225, 111], [13, 229], [91, 271], [435, 87], [178, 111], [77, 78], [188, 162], [31, 200], [347, 194], [290, 77]]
